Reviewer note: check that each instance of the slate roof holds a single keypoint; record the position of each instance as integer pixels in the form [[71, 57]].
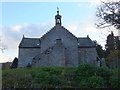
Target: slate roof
[[60, 27], [36, 43], [30, 43], [85, 42]]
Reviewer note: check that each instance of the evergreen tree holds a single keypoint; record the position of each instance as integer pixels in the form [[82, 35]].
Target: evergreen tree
[[110, 43], [100, 51]]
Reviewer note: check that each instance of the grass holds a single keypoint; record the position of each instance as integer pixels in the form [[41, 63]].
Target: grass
[[56, 76]]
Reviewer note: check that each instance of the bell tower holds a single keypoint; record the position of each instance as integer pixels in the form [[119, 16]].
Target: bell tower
[[58, 18]]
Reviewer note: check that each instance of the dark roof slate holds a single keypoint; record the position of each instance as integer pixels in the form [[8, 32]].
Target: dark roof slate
[[36, 42], [30, 43], [85, 42]]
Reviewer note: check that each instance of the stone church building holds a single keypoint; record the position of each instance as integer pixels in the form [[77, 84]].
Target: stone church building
[[58, 47]]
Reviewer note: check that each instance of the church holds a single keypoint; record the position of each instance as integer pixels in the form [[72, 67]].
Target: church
[[58, 47]]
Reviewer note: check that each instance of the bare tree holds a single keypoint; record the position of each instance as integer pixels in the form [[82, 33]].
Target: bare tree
[[108, 14]]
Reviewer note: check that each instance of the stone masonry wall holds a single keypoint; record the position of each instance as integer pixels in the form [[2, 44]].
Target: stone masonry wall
[[51, 57], [87, 55], [26, 55], [68, 40]]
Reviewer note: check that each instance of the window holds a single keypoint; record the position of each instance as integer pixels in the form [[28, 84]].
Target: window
[[58, 20]]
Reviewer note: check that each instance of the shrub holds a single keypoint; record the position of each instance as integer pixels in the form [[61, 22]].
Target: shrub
[[115, 78], [115, 82], [92, 82], [85, 76], [105, 73], [84, 71], [96, 82], [49, 77]]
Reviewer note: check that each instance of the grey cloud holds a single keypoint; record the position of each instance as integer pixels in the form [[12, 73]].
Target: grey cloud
[[12, 37]]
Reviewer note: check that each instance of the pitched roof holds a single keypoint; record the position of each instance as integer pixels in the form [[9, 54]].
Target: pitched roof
[[30, 43], [57, 29], [85, 42]]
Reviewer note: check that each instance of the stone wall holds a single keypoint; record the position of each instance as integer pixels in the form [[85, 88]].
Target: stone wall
[[69, 41], [87, 55], [59, 47], [54, 56], [26, 55], [6, 65], [57, 57]]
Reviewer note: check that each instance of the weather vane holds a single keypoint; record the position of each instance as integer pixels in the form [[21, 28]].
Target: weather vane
[[57, 10]]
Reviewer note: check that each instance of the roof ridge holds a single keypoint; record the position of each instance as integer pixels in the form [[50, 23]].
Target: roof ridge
[[68, 31], [30, 38]]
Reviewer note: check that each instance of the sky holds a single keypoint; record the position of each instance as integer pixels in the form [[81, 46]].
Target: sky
[[34, 19]]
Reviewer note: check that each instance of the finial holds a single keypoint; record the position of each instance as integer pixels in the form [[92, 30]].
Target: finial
[[87, 36], [112, 33], [57, 10]]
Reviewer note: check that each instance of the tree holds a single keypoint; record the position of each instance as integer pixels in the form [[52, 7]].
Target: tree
[[113, 59], [117, 42], [99, 49], [110, 43], [108, 14]]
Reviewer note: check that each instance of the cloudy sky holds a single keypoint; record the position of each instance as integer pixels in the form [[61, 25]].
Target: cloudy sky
[[33, 19]]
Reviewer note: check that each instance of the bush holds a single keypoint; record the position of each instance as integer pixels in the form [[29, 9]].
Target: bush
[[96, 82], [115, 78], [90, 76], [84, 71], [83, 83], [48, 76], [105, 73], [18, 78], [115, 82], [84, 76]]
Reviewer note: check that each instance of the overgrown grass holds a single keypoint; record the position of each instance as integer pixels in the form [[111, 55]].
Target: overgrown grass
[[41, 77]]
